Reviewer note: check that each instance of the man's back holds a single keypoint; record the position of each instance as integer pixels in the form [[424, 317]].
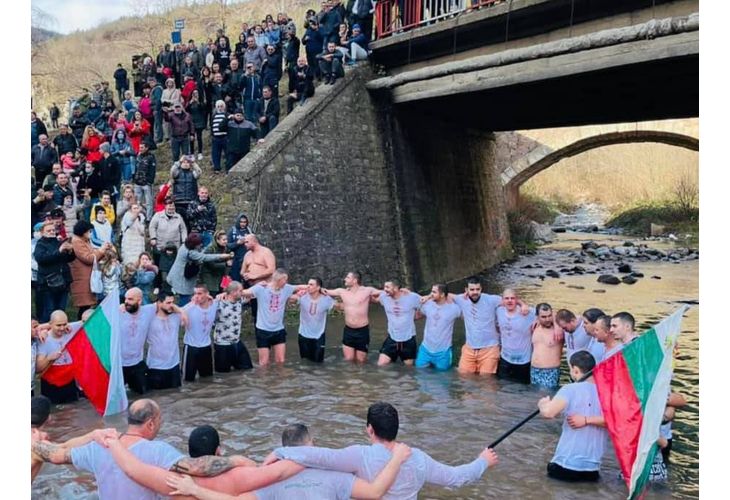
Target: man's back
[[111, 481], [311, 484]]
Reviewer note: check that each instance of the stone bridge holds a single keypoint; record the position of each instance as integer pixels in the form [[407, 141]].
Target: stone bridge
[[524, 154]]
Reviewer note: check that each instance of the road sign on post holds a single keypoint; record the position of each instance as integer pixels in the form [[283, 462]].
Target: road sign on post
[[179, 24], [176, 37]]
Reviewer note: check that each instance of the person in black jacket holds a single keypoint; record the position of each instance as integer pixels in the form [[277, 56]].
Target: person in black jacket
[[202, 216], [144, 178], [330, 64], [42, 158], [65, 141], [184, 175], [271, 69], [54, 275], [120, 81], [110, 170], [198, 112], [55, 114], [78, 123], [301, 84], [240, 134], [292, 49], [37, 127], [267, 111]]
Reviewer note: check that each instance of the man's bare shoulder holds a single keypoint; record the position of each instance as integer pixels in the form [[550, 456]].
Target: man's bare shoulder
[[232, 482]]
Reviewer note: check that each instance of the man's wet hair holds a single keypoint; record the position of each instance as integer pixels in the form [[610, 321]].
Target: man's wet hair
[[605, 321], [295, 435], [383, 417], [204, 440], [625, 317], [583, 360], [357, 275], [593, 314], [40, 409], [564, 315], [473, 280], [543, 306], [442, 287], [317, 280], [395, 282]]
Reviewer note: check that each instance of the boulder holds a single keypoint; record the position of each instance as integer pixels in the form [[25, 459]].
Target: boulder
[[542, 232], [559, 229], [552, 273], [656, 277], [637, 274], [608, 279], [624, 268], [629, 280], [656, 229], [588, 244], [628, 243]]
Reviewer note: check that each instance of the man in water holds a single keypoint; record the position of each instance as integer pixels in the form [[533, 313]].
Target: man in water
[[435, 349], [229, 349], [583, 440], [134, 324], [145, 420], [547, 349], [355, 302], [197, 352], [311, 484], [622, 327], [163, 354], [366, 461], [270, 331], [55, 363], [259, 264], [515, 331], [313, 309], [576, 337], [602, 333], [400, 307]]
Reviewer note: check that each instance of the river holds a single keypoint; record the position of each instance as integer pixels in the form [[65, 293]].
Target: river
[[450, 416]]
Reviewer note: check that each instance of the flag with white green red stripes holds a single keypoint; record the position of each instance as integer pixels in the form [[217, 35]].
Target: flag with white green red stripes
[[633, 386]]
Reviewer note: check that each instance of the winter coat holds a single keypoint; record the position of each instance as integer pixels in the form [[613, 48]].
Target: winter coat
[[240, 135], [81, 271], [271, 69], [65, 143], [181, 126], [78, 124], [251, 87], [167, 230], [146, 170], [93, 181], [212, 272], [123, 150], [202, 220], [197, 113], [111, 173], [50, 261], [92, 146], [137, 134], [132, 231], [239, 250]]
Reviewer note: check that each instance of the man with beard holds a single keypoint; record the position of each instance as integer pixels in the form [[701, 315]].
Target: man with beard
[[240, 134], [198, 355], [435, 349], [236, 244], [400, 308], [134, 323], [202, 217], [163, 353], [547, 349]]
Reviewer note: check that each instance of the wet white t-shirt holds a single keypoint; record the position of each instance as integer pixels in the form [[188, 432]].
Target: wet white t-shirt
[[313, 315], [271, 306], [515, 335], [112, 482], [579, 340], [200, 324], [580, 449], [480, 320], [164, 349], [439, 329], [134, 329], [311, 484], [401, 313]]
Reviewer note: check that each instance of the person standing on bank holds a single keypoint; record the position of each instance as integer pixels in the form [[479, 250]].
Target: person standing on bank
[[54, 275], [82, 265]]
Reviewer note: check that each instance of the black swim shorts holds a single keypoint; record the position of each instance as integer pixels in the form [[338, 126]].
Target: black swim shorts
[[266, 339], [403, 350], [357, 338]]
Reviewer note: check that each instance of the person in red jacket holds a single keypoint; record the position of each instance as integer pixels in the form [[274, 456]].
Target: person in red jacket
[[91, 140], [137, 130], [160, 199], [187, 90]]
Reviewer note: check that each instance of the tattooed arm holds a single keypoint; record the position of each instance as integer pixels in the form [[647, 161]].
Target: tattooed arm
[[51, 452], [209, 465]]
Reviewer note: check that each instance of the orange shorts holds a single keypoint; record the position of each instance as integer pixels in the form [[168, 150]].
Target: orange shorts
[[481, 361]]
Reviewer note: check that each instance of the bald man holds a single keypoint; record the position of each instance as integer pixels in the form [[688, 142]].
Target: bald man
[[259, 264], [55, 363], [145, 420], [515, 337], [134, 323]]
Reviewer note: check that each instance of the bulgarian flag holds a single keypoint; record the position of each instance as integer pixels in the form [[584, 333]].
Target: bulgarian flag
[[97, 358], [633, 386]]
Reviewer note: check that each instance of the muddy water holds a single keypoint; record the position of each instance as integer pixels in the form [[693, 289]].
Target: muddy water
[[449, 416]]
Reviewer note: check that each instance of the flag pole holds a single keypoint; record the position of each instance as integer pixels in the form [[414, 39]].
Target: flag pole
[[528, 418]]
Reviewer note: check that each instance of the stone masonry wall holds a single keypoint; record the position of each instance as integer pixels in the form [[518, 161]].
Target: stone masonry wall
[[450, 194], [318, 192]]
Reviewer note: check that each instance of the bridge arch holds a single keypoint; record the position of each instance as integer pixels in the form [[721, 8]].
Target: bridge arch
[[550, 157]]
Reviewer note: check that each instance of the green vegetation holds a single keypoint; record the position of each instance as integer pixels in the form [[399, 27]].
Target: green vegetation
[[675, 219], [531, 208]]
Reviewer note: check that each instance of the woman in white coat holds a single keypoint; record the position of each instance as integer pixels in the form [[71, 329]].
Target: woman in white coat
[[132, 233]]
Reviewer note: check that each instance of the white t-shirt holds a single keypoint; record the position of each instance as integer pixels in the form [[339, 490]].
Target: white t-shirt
[[480, 320], [200, 324], [53, 345], [164, 349], [134, 328], [401, 313], [597, 350], [439, 329], [576, 341], [580, 449], [271, 306], [515, 335], [311, 484], [112, 482], [313, 315]]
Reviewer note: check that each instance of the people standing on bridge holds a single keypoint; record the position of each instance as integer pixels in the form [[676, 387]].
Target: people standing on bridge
[[313, 309], [435, 349], [266, 112], [400, 307], [241, 133], [330, 64], [219, 133], [301, 84], [258, 264], [355, 303], [515, 336], [547, 349], [229, 350], [583, 439], [55, 114], [270, 331], [313, 44]]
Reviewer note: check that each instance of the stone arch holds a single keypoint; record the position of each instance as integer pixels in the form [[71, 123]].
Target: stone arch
[[550, 158]]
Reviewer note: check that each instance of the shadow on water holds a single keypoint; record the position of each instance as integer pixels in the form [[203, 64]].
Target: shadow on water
[[449, 416]]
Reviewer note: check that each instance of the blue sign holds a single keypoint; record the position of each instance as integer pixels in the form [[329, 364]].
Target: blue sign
[[176, 37], [179, 24]]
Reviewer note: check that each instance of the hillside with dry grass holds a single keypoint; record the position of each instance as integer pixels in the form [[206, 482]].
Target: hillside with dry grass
[[61, 66]]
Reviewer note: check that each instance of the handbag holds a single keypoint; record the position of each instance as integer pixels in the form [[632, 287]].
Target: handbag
[[192, 269], [55, 281], [95, 282]]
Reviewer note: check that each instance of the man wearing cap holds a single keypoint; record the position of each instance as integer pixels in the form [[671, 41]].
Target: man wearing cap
[[181, 130], [42, 204], [240, 134]]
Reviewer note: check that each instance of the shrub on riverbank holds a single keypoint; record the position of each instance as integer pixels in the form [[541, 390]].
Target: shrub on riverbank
[[674, 217]]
